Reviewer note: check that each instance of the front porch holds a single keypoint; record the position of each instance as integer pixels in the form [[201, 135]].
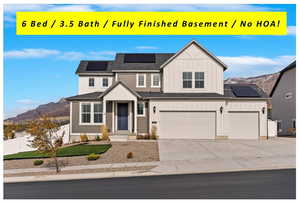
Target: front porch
[[121, 117]]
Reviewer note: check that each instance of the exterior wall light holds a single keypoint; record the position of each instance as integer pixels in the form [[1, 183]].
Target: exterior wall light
[[263, 110], [221, 109], [154, 109]]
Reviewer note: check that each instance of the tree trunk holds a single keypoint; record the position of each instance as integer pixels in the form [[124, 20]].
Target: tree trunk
[[56, 164]]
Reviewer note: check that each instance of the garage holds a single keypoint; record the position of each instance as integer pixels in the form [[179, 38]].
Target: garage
[[187, 125], [243, 125]]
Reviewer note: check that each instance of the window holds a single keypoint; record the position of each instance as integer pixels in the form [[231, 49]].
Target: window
[[91, 82], [86, 113], [141, 109], [199, 79], [98, 112], [294, 123], [140, 80], [105, 82], [155, 80], [279, 126], [91, 113], [288, 95], [187, 79]]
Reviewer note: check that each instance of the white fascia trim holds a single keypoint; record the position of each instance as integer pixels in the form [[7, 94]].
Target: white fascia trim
[[144, 114], [92, 113], [137, 81], [152, 77]]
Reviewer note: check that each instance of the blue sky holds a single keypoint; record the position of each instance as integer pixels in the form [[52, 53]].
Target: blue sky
[[41, 69]]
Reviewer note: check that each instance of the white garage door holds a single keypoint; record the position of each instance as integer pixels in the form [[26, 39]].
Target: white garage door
[[187, 125], [243, 125]]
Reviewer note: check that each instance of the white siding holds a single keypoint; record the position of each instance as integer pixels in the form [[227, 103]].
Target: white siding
[[84, 88], [193, 59], [119, 93]]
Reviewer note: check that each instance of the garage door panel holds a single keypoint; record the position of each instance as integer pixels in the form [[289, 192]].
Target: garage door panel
[[243, 125], [187, 125]]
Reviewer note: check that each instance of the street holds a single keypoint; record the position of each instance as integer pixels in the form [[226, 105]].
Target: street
[[269, 184]]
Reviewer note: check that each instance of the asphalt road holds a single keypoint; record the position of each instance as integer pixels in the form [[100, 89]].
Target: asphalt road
[[258, 184]]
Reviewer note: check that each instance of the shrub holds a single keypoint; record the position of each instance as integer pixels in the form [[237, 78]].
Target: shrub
[[38, 162], [84, 138], [129, 155], [92, 157], [104, 131], [98, 138], [154, 133]]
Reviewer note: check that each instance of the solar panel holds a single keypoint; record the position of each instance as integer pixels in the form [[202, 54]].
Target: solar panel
[[139, 58], [97, 66], [244, 91]]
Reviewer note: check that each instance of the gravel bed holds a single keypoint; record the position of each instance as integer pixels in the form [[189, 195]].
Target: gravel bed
[[142, 152]]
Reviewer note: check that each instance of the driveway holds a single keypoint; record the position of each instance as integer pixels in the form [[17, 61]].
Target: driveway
[[272, 153]]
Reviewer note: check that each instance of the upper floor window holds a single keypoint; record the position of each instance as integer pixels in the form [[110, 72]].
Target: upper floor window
[[187, 79], [155, 80], [104, 82], [91, 82], [141, 80], [141, 109], [199, 79], [86, 113]]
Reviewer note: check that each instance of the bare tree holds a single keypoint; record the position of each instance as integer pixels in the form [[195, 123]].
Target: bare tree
[[46, 138]]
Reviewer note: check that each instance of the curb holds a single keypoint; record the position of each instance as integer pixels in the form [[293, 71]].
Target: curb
[[120, 174]]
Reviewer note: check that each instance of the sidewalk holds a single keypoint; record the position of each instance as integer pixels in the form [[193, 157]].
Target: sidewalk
[[160, 168]]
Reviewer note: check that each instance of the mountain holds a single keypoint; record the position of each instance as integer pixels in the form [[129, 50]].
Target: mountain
[[265, 82], [58, 110]]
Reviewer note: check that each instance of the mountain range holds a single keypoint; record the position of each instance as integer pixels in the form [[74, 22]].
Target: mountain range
[[60, 110]]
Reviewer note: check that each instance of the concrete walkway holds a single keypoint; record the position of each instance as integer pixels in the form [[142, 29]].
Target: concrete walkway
[[212, 156]]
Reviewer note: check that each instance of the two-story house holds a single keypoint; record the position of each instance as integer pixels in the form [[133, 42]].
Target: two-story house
[[183, 94], [284, 100]]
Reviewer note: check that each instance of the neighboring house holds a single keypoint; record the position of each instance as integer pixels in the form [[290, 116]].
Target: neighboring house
[[284, 100], [182, 94]]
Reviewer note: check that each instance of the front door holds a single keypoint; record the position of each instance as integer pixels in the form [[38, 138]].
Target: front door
[[122, 116]]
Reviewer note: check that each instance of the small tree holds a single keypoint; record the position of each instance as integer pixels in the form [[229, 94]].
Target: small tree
[[153, 132], [45, 137], [104, 131]]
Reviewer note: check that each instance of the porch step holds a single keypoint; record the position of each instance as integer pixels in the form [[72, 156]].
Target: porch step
[[118, 138]]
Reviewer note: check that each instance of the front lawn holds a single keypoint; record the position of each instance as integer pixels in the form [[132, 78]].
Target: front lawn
[[75, 150]]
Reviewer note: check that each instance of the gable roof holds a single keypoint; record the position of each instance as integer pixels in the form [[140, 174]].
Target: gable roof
[[290, 66], [115, 85], [201, 47]]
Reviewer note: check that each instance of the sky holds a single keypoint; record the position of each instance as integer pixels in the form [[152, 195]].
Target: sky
[[41, 69]]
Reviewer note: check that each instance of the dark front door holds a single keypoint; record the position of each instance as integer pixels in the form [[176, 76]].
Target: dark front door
[[122, 116]]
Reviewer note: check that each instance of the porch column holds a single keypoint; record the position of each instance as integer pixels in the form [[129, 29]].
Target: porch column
[[135, 118], [104, 111], [113, 117]]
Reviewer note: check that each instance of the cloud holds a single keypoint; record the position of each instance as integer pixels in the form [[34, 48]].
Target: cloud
[[255, 65], [30, 53], [146, 48], [26, 101], [92, 55], [292, 30]]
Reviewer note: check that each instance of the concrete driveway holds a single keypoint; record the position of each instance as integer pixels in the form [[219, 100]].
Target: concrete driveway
[[170, 150], [211, 155]]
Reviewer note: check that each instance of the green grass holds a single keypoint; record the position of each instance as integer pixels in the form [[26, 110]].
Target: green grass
[[76, 150]]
